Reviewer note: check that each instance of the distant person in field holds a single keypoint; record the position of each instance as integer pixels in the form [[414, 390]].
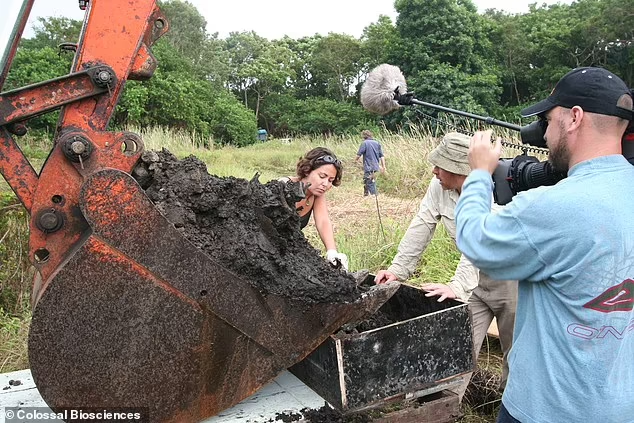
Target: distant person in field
[[571, 246], [373, 161], [319, 170], [486, 298]]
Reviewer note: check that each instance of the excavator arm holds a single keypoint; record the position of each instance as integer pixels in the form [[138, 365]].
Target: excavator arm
[[126, 311]]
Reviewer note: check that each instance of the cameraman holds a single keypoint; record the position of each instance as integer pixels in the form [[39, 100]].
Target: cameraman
[[571, 245]]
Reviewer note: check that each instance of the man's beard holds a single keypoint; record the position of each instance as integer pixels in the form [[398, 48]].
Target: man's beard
[[559, 156]]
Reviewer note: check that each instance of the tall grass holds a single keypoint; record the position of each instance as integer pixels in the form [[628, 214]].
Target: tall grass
[[16, 275], [14, 332], [15, 270]]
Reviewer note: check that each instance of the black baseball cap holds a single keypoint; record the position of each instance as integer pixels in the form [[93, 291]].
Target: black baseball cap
[[595, 90]]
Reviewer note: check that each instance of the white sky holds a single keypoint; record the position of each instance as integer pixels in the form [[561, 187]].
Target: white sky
[[275, 18]]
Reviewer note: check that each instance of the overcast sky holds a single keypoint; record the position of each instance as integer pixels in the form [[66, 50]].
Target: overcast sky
[[296, 18]]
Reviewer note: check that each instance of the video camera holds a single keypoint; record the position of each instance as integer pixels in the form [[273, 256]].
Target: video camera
[[523, 172]]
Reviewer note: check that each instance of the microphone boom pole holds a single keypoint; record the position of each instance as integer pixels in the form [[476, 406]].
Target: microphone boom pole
[[406, 100], [381, 94]]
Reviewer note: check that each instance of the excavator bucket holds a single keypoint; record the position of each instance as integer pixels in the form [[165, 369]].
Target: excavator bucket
[[140, 318], [127, 312]]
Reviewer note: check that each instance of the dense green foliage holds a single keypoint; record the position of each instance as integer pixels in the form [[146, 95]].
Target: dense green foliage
[[224, 89]]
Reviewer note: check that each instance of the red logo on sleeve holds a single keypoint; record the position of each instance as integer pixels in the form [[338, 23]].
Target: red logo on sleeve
[[617, 298]]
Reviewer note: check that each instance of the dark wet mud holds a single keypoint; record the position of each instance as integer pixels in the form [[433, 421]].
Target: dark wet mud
[[248, 227]]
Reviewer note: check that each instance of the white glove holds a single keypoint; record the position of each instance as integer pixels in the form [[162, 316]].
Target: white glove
[[334, 258]]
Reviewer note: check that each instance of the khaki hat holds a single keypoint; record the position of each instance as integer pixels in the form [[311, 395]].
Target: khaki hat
[[451, 154]]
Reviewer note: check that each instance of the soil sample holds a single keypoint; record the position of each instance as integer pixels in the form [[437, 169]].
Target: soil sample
[[245, 226], [377, 320], [325, 414]]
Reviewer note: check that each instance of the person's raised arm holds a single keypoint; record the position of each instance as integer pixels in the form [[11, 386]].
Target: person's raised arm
[[418, 235], [323, 223], [325, 231]]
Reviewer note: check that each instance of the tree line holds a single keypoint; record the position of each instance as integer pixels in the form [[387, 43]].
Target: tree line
[[488, 63]]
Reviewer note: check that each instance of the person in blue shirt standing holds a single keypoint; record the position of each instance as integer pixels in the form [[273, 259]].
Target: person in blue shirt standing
[[571, 245], [373, 161]]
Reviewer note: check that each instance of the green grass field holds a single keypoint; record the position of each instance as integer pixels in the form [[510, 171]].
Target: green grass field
[[367, 229]]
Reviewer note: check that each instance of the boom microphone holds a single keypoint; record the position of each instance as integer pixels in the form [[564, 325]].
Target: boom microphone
[[378, 91], [385, 90]]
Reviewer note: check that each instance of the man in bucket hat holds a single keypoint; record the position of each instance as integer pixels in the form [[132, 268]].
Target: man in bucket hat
[[571, 247], [486, 298]]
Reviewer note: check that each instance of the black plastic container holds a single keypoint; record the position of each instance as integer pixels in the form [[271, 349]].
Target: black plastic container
[[412, 344]]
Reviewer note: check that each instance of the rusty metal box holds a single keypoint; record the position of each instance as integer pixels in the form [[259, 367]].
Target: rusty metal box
[[412, 344]]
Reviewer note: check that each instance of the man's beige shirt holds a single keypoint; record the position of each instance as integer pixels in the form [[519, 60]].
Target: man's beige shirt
[[437, 206]]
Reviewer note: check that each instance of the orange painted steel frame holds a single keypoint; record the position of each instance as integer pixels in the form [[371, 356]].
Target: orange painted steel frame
[[115, 41]]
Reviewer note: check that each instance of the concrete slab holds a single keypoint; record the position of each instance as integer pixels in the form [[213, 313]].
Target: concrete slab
[[285, 394]]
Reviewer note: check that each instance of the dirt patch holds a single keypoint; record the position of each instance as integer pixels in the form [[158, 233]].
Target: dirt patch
[[12, 382], [288, 417], [247, 227], [325, 414], [355, 209]]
